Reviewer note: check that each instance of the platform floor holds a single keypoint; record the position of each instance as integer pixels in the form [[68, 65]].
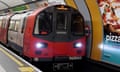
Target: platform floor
[[10, 62]]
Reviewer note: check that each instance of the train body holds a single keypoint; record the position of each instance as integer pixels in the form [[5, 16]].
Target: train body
[[50, 33], [47, 33]]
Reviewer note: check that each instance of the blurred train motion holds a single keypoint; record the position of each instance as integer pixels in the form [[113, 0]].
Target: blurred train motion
[[50, 32], [89, 28]]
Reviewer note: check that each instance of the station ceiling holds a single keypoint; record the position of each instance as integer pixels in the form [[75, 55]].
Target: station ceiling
[[5, 4]]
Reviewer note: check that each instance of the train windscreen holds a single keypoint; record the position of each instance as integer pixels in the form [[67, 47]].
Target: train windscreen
[[77, 24], [44, 23], [62, 20]]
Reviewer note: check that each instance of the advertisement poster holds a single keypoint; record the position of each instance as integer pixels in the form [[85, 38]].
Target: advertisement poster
[[110, 13]]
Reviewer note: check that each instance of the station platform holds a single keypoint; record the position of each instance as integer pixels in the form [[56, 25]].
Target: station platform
[[10, 62]]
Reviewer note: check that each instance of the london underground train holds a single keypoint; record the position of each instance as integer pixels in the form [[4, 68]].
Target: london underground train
[[47, 33], [58, 31]]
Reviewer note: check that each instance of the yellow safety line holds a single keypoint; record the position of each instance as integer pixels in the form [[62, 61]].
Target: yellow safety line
[[22, 68], [11, 57], [26, 69], [71, 3]]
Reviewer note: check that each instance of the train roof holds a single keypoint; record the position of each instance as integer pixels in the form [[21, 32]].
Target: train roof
[[21, 15]]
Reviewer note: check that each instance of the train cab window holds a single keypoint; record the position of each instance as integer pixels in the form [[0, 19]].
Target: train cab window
[[43, 24], [61, 26], [77, 26]]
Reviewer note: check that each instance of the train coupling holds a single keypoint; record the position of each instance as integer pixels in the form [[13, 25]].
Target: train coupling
[[62, 66]]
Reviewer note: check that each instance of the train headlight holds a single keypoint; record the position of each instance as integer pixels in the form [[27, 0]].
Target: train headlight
[[78, 45], [41, 45]]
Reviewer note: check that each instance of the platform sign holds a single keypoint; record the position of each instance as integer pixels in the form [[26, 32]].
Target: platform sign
[[110, 13]]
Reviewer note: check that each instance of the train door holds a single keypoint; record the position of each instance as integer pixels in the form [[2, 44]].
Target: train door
[[19, 40], [61, 28], [20, 33], [13, 30]]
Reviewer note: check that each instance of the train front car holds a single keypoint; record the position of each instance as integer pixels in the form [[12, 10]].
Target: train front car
[[55, 32]]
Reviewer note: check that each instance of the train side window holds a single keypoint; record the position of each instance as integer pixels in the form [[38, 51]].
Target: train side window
[[43, 24], [77, 24], [16, 25], [12, 25]]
